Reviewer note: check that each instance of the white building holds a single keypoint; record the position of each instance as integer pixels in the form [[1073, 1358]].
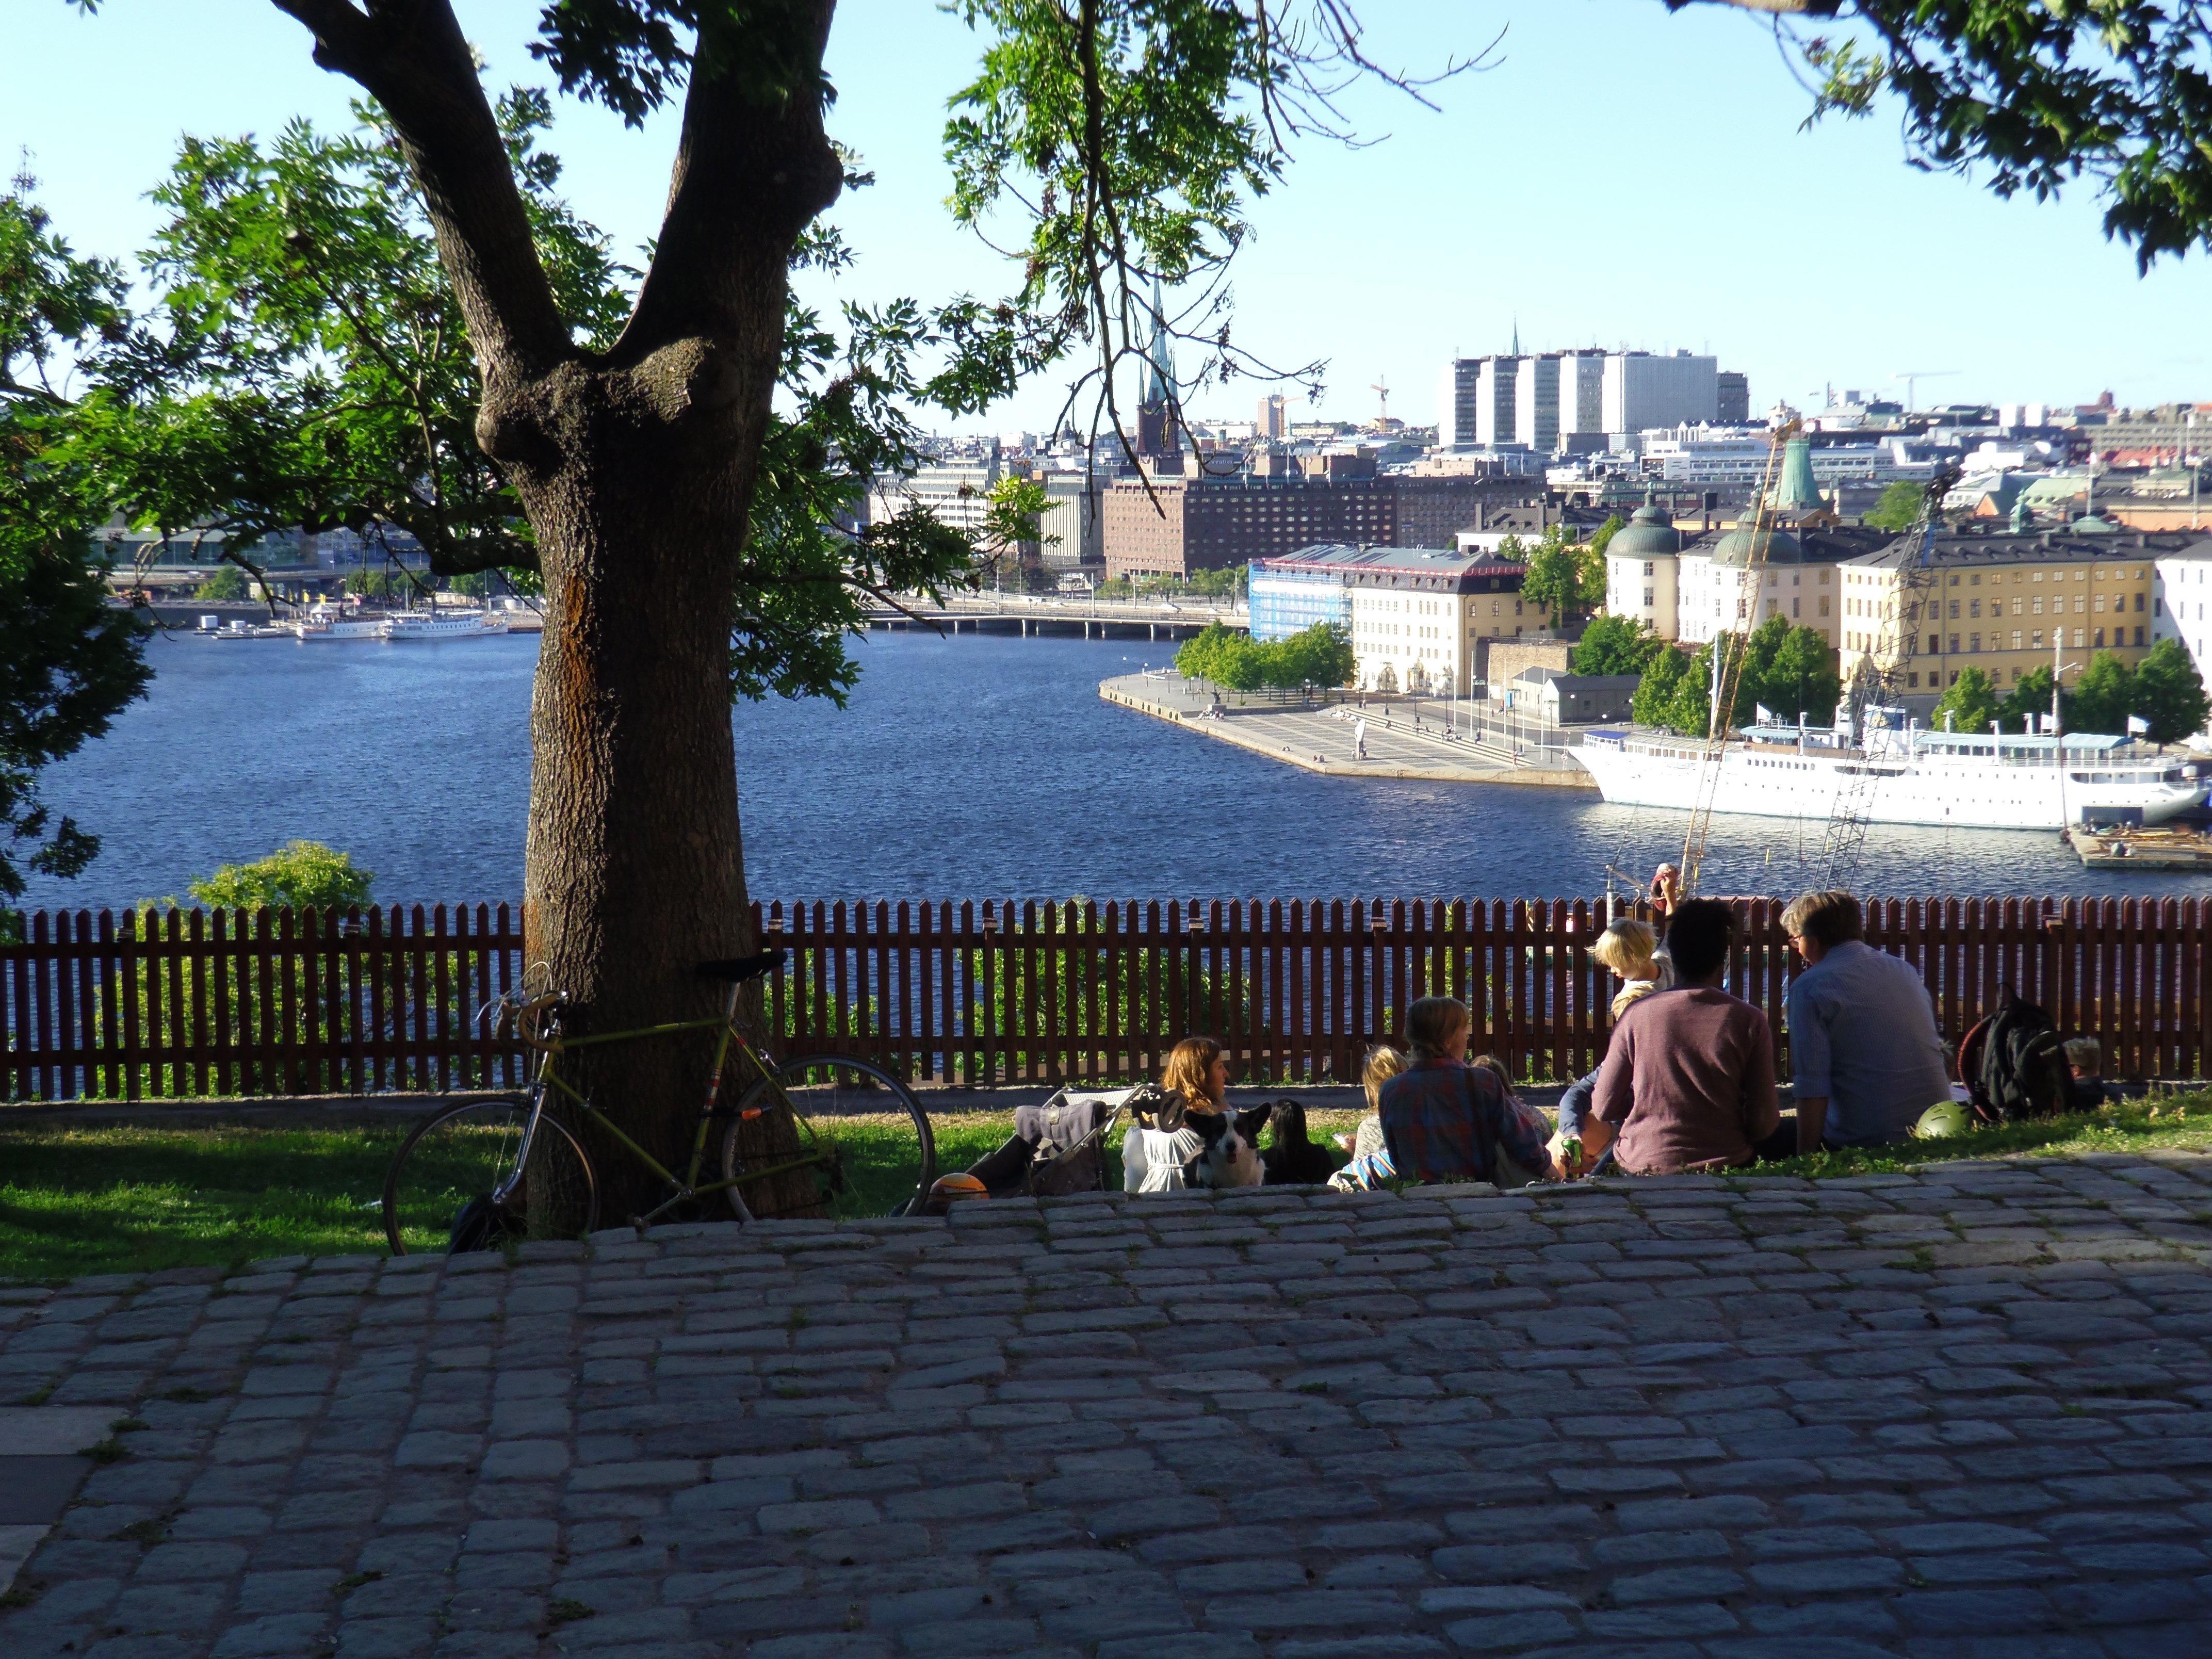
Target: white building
[[1640, 391], [2181, 605], [1717, 457], [1419, 616], [1643, 568]]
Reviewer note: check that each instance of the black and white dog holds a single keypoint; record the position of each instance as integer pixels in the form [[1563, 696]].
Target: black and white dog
[[1230, 1154]]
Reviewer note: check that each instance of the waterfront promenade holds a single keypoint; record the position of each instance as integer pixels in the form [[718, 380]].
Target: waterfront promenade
[[1323, 740], [1961, 1414]]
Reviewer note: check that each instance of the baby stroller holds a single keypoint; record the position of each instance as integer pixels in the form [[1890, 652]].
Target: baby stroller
[[1058, 1147]]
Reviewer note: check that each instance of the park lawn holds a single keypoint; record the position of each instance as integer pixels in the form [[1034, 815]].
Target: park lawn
[[132, 1199]]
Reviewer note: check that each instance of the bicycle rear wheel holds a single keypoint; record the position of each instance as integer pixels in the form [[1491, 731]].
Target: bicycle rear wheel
[[439, 1193], [854, 1143]]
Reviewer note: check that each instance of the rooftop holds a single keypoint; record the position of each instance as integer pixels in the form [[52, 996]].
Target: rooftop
[[1971, 549]]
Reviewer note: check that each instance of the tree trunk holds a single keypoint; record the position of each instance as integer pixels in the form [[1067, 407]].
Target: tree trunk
[[636, 469], [634, 870]]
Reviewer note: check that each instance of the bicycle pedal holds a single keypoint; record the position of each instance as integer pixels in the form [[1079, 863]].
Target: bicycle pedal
[[638, 1222]]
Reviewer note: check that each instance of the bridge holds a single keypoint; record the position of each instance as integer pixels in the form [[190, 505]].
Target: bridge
[[1029, 614]]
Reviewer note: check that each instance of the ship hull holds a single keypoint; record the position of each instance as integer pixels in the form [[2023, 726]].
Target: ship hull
[[1814, 787]]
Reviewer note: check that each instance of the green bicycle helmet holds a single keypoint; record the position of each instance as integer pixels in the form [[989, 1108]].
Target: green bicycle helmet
[[1942, 1120]]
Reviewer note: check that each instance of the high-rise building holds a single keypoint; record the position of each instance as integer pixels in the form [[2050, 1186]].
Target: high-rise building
[[1569, 401], [1734, 398], [1536, 405], [1641, 391], [1274, 421]]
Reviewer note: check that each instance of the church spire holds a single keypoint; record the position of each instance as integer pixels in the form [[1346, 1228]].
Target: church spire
[[1159, 360]]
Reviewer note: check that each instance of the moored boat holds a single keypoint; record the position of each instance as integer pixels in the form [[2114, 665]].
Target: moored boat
[[443, 625], [1898, 773]]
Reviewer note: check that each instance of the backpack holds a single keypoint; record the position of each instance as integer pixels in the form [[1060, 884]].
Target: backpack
[[2023, 1064]]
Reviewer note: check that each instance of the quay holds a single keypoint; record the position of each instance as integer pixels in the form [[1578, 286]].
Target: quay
[[1401, 742]]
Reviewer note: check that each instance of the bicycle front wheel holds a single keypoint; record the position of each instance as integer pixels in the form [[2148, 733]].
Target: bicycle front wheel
[[453, 1184], [829, 1137]]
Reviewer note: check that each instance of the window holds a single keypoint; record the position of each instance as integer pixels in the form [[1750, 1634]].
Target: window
[[2100, 636], [1824, 582], [2139, 602], [1973, 642], [2038, 575], [2035, 639], [1935, 644], [1974, 580], [1955, 606], [2038, 604], [1955, 644], [2079, 602], [1955, 673], [2015, 639], [1647, 569], [1913, 680], [2079, 638], [1974, 609], [2016, 603], [1793, 606], [1647, 596], [2139, 636], [2099, 606]]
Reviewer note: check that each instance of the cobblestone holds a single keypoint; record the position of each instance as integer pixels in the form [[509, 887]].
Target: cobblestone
[[1683, 1419]]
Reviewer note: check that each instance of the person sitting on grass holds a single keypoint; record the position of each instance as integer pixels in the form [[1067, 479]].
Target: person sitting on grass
[[1626, 949], [1688, 1081], [1198, 1070], [1863, 1038], [1443, 1120], [1370, 1159], [2086, 1090]]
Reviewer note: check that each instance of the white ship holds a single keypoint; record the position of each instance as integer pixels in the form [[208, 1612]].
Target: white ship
[[1901, 774], [443, 625], [325, 624]]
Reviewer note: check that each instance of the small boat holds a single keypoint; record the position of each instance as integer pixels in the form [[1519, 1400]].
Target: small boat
[[443, 625], [324, 624]]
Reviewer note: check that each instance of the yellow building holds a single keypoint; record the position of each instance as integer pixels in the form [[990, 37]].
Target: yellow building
[[1421, 619], [2000, 601]]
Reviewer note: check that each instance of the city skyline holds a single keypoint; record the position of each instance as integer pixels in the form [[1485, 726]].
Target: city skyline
[[1581, 193]]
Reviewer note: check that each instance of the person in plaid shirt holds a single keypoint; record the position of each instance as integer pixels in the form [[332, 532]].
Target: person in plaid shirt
[[1429, 1110]]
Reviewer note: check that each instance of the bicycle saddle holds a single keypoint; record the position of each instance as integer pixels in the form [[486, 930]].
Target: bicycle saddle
[[735, 970]]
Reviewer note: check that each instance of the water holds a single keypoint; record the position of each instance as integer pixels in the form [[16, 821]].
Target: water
[[976, 767]]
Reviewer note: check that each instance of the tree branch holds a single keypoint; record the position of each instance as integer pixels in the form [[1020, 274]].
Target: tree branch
[[753, 167], [411, 55], [1777, 8]]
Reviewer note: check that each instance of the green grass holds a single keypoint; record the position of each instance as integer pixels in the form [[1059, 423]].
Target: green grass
[[132, 1199], [2179, 1121]]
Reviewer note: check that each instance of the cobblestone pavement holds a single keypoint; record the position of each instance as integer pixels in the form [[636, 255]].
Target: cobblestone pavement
[[1967, 1413]]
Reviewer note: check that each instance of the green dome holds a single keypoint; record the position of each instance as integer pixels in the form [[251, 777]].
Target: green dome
[[2090, 524], [1738, 546], [1647, 534]]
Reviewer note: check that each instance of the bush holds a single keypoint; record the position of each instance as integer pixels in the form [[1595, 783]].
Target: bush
[[300, 874]]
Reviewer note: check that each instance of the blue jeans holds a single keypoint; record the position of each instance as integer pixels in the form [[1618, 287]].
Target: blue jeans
[[1574, 1112]]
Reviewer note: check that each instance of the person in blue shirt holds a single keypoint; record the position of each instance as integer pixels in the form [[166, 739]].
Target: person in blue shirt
[[1863, 1046]]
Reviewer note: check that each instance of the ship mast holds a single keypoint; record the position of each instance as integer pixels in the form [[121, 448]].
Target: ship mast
[[1727, 660]]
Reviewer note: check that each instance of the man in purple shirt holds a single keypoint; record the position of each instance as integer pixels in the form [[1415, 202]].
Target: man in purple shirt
[[1443, 1120], [1688, 1080]]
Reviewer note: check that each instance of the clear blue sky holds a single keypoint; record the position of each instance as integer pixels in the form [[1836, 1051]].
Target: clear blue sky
[[1622, 175]]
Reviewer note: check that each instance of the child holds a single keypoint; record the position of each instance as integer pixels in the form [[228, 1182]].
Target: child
[[1626, 949], [2085, 1091], [1370, 1160]]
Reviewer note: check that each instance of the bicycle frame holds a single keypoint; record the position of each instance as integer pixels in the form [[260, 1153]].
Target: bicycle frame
[[688, 1185]]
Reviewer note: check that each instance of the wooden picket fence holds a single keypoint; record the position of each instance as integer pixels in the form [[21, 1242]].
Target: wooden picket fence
[[175, 1004]]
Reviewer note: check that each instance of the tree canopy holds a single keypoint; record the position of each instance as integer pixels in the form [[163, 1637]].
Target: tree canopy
[[69, 662], [1615, 645], [1970, 702], [1565, 577], [1790, 670], [2035, 96], [1320, 656], [1897, 508]]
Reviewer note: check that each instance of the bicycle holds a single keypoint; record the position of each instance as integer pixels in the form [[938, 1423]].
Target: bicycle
[[465, 1175]]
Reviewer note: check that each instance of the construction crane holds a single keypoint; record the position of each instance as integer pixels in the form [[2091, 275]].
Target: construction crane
[[1727, 660], [1880, 675], [1381, 389]]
